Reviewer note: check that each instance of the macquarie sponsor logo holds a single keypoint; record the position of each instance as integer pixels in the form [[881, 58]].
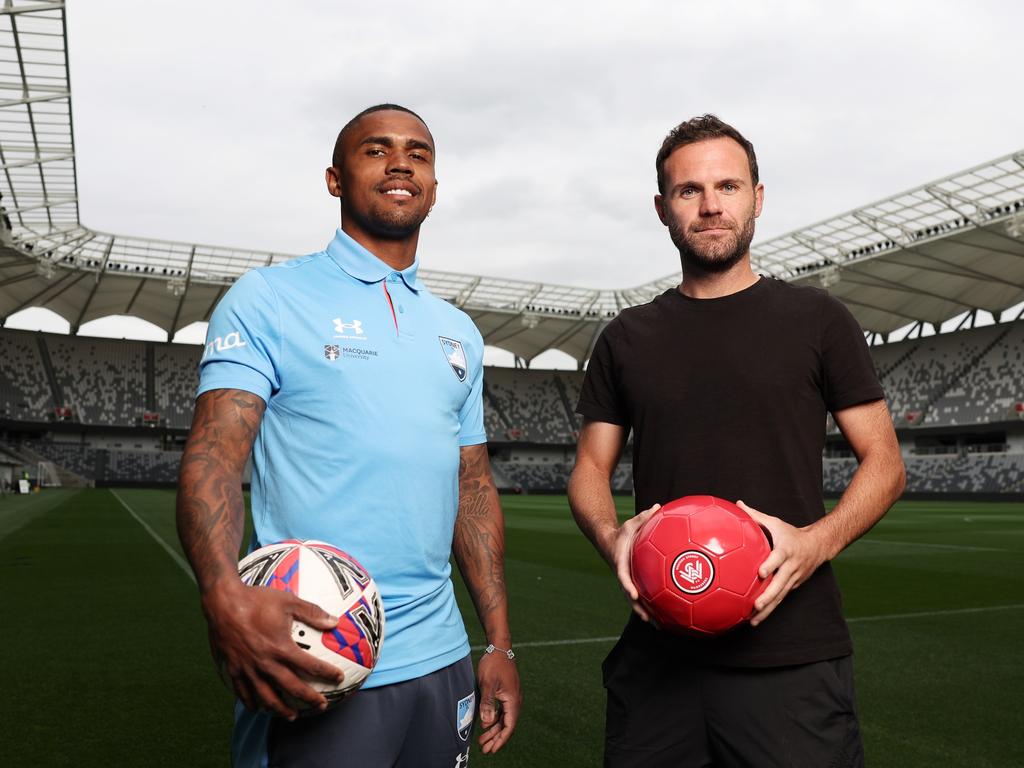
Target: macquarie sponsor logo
[[693, 572], [224, 343], [352, 330], [338, 351]]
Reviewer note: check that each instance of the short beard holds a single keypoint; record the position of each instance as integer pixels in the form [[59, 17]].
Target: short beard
[[711, 260], [395, 224]]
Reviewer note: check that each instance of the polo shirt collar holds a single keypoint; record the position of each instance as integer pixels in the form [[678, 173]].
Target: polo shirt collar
[[364, 266]]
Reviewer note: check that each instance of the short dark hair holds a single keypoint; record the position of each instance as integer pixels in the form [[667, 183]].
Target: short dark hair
[[697, 129], [336, 156]]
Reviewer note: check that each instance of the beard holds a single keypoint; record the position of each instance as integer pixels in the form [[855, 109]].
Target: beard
[[713, 257], [389, 223]]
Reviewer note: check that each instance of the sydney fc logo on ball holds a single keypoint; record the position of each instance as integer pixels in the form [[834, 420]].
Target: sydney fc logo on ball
[[693, 572], [456, 356]]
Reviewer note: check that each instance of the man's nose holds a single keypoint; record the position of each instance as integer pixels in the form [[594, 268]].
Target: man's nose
[[710, 203], [400, 163]]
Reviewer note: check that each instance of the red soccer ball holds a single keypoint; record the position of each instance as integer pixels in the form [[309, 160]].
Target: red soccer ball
[[695, 562]]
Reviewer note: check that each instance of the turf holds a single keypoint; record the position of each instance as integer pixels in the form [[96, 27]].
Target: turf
[[105, 660]]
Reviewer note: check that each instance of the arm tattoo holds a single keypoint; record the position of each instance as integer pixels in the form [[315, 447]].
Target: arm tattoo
[[210, 506], [479, 542]]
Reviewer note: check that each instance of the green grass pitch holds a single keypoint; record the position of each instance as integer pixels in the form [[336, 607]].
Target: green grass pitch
[[105, 660]]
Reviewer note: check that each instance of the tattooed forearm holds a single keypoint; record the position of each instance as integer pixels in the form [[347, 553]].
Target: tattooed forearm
[[479, 542], [210, 507]]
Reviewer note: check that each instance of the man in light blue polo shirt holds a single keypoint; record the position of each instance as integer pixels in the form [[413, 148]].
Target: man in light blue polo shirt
[[359, 394]]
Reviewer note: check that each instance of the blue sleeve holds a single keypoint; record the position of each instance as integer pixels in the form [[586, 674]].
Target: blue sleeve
[[471, 416], [243, 340]]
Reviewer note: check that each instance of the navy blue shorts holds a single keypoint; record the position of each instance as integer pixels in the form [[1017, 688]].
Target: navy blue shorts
[[421, 723]]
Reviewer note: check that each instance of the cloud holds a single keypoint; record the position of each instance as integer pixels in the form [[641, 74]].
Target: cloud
[[547, 116]]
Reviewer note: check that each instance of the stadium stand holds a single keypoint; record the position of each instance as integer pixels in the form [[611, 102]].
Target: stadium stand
[[103, 381], [24, 392], [955, 473], [534, 404], [967, 383], [987, 389], [176, 377]]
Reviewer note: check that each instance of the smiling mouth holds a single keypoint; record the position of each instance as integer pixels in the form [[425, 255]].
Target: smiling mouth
[[399, 192]]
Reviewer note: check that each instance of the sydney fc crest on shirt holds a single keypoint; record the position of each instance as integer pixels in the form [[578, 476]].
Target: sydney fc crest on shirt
[[456, 356]]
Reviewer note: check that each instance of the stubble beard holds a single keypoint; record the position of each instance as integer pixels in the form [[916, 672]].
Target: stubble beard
[[716, 257], [389, 223]]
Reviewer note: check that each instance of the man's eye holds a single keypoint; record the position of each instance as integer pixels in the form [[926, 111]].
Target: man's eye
[[729, 188], [375, 152], [417, 156], [688, 192]]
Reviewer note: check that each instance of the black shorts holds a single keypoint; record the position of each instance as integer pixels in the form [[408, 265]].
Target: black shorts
[[663, 712], [421, 723]]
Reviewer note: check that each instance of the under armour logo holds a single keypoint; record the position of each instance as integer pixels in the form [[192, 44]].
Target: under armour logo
[[355, 327]]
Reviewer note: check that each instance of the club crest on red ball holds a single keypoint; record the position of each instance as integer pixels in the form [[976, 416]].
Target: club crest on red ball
[[694, 564], [693, 572]]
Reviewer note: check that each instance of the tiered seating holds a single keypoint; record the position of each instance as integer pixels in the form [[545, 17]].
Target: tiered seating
[[540, 477], [988, 390], [175, 379], [81, 459], [24, 391], [551, 476], [912, 384], [142, 466], [112, 465], [104, 381], [573, 381], [532, 404], [944, 473]]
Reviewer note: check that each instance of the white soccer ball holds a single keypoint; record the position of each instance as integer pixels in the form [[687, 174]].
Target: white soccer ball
[[323, 574]]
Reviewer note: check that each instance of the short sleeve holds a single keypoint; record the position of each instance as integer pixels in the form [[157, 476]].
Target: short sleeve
[[849, 374], [471, 415], [601, 398], [243, 340]]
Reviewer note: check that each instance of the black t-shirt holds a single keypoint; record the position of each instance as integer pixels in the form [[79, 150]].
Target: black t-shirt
[[728, 397]]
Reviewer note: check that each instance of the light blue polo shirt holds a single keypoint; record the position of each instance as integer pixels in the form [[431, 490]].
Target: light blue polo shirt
[[372, 385]]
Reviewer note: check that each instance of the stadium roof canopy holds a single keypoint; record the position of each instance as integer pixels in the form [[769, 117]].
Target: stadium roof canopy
[[923, 256]]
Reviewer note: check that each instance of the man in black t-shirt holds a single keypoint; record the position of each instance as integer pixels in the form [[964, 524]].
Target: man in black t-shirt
[[725, 383]]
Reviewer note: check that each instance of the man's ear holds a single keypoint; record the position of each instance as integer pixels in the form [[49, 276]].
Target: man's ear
[[659, 207], [333, 178], [433, 197]]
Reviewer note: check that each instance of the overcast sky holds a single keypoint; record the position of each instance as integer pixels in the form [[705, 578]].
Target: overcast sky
[[212, 122]]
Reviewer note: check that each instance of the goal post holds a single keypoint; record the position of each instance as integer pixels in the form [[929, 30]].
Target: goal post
[[46, 475]]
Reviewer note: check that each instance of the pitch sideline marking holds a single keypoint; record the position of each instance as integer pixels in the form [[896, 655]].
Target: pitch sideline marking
[[857, 619], [895, 543], [926, 614], [178, 559]]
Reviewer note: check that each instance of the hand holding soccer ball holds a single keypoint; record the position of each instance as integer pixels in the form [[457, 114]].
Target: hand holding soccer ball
[[695, 565], [250, 637], [281, 633]]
